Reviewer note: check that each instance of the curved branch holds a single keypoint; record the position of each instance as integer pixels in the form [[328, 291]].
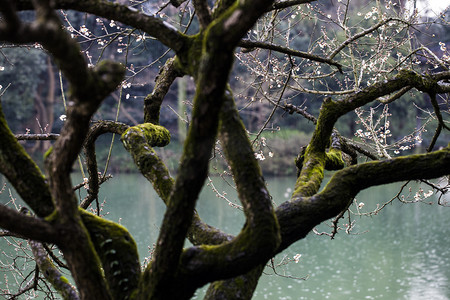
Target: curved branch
[[298, 216], [259, 237], [95, 131], [118, 254], [357, 36], [151, 166], [292, 52], [441, 123], [139, 140], [152, 102], [127, 15]]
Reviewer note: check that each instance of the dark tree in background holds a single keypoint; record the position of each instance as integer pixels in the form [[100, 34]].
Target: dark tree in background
[[363, 61]]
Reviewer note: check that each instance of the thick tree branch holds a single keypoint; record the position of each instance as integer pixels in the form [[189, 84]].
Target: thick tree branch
[[259, 237], [118, 254], [139, 140], [152, 102], [153, 26], [139, 144], [347, 183], [27, 226], [89, 87], [203, 12], [22, 172]]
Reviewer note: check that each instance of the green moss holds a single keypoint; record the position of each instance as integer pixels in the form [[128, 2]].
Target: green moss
[[52, 217], [311, 175], [48, 152], [22, 172], [64, 280], [118, 253], [154, 135], [188, 61], [138, 140], [334, 160]]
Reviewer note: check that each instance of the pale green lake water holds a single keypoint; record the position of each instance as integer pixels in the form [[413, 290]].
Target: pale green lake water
[[402, 253]]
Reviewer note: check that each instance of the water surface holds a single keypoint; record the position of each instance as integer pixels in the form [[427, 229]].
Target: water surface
[[401, 253]]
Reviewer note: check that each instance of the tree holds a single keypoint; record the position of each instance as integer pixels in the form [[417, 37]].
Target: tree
[[101, 255]]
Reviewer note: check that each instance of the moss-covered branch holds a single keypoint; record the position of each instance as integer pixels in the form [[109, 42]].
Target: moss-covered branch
[[153, 101], [139, 140], [22, 172], [118, 254], [88, 88], [259, 237], [347, 183], [138, 143], [51, 272]]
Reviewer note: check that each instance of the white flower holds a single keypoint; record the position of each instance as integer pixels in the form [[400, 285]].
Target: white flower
[[63, 117], [297, 258], [2, 68], [428, 194], [84, 31], [85, 181], [270, 154], [127, 96], [260, 156], [361, 205]]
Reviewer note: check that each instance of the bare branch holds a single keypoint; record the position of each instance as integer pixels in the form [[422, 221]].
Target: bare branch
[[292, 52], [289, 3], [37, 137], [95, 131], [357, 36]]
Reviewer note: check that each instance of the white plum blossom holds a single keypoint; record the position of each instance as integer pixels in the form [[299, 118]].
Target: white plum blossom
[[84, 31]]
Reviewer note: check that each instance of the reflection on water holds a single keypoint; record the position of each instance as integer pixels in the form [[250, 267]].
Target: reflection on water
[[402, 253]]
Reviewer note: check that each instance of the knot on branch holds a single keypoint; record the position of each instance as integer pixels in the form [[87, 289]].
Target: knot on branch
[[110, 75], [148, 133]]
